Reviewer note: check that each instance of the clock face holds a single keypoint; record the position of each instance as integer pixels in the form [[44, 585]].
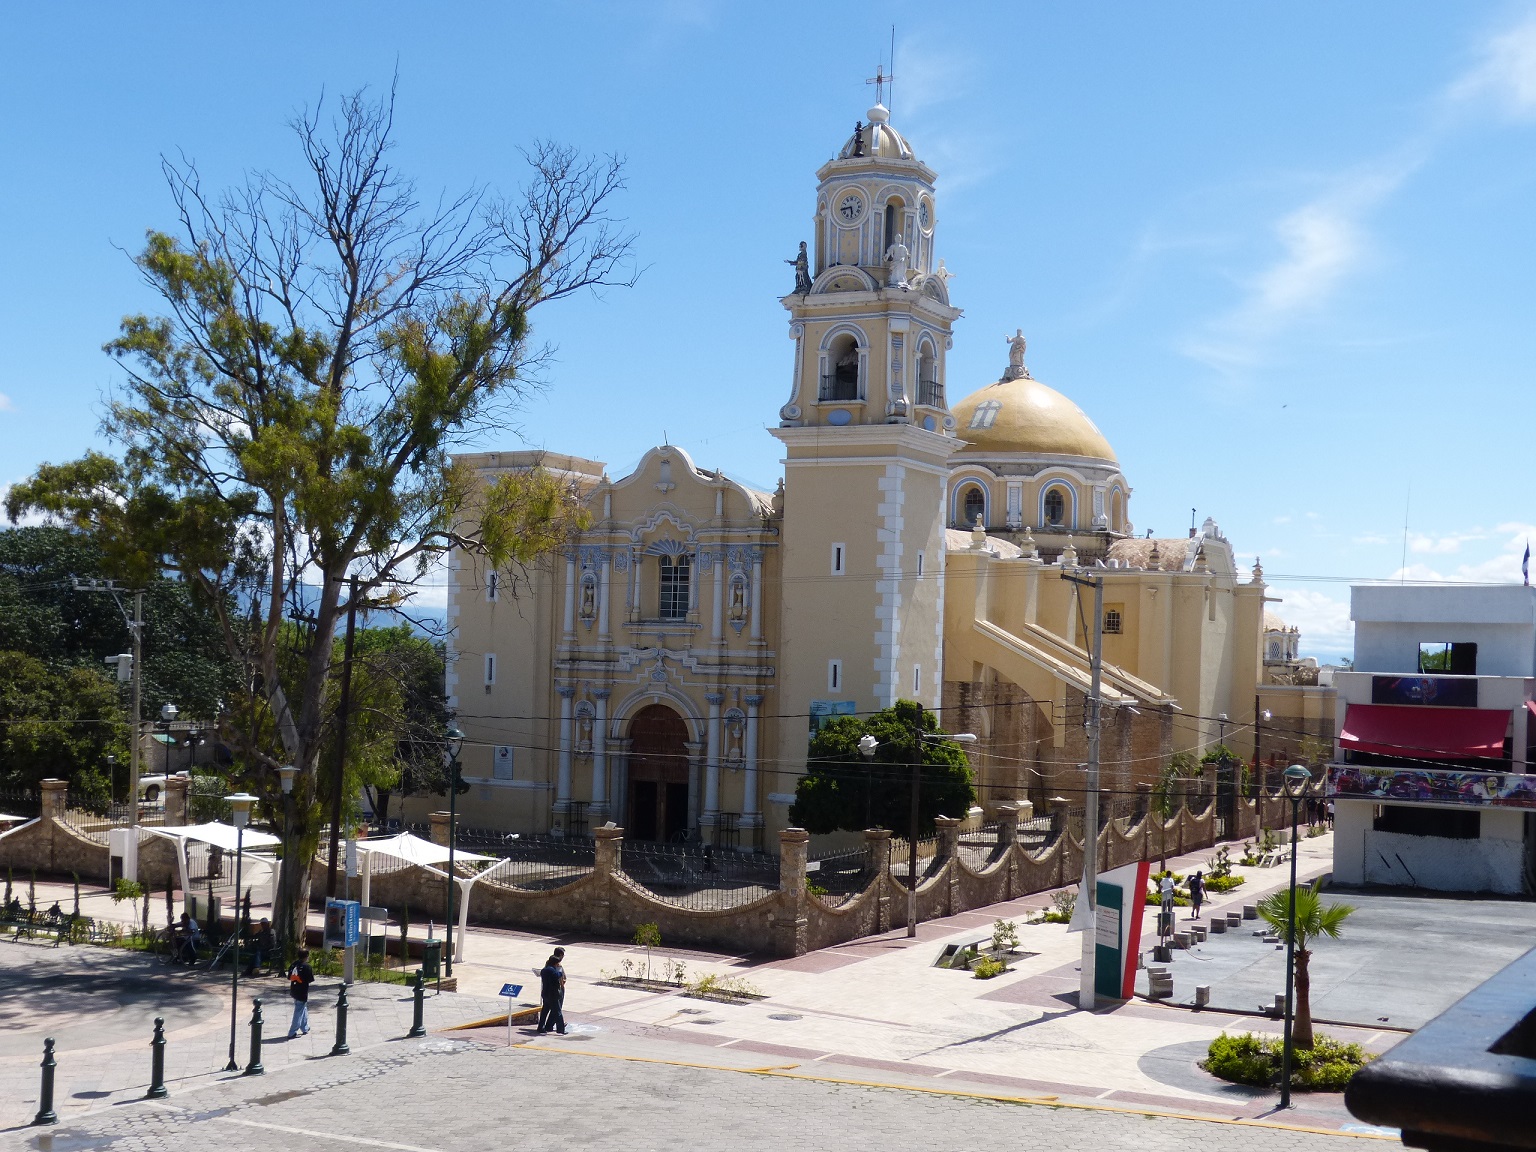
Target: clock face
[[851, 208], [925, 215]]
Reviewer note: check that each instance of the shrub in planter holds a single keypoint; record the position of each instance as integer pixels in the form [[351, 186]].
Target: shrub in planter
[[987, 967], [1249, 1059], [1222, 883]]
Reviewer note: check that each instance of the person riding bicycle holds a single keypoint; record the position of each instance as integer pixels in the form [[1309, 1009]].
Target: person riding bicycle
[[185, 938]]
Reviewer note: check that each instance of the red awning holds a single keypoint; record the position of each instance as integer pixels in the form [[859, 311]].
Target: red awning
[[1426, 733]]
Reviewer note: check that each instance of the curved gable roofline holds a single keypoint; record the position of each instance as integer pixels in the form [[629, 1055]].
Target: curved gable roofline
[[683, 468]]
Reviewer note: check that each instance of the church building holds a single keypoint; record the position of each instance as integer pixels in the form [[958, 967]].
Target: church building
[[666, 670]]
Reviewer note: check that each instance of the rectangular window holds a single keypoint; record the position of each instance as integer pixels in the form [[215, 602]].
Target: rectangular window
[[917, 679], [919, 563], [492, 586], [674, 588], [1111, 621], [834, 675], [490, 669], [1446, 823], [1456, 659], [838, 553]]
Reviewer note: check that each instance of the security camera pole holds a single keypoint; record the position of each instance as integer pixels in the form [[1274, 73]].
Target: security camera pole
[[1087, 891]]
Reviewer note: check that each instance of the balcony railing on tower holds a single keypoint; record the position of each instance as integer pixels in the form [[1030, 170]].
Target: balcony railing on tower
[[839, 388], [931, 393]]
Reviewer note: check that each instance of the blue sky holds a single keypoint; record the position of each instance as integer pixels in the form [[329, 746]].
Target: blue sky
[[1281, 253]]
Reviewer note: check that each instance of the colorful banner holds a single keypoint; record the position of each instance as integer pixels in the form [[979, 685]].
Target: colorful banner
[[1432, 786]]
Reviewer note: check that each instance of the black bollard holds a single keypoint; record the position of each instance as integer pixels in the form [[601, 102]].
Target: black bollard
[[254, 1068], [157, 1063], [417, 1027], [45, 1112], [340, 1047]]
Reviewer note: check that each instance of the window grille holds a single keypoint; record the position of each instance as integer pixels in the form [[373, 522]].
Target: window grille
[[674, 588]]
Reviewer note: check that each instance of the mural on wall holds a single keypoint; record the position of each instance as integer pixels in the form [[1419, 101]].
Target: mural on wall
[[1488, 789]]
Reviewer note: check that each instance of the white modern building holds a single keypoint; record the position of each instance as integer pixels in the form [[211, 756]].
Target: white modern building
[[1431, 779]]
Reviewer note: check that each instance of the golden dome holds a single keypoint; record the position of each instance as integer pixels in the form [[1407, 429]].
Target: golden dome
[[1023, 416]]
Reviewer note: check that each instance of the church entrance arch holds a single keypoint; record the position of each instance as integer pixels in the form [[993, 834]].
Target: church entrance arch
[[658, 775]]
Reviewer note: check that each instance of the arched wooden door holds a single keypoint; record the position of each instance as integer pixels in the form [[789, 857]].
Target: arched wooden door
[[658, 774]]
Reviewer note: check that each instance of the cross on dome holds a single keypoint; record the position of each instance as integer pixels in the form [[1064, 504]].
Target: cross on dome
[[880, 79]]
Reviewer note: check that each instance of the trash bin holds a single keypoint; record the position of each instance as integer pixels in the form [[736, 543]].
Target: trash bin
[[432, 960]]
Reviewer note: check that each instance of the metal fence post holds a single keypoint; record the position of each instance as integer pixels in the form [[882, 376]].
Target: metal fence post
[[340, 1047], [157, 1063], [417, 1028], [254, 1068], [45, 1112]]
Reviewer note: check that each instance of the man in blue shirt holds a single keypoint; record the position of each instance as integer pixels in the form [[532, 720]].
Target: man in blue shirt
[[552, 994]]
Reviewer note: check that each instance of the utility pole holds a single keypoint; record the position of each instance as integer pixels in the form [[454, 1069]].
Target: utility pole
[[1087, 892], [135, 690], [341, 739]]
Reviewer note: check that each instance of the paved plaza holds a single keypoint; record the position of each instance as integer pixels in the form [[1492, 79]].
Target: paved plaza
[[867, 1041]]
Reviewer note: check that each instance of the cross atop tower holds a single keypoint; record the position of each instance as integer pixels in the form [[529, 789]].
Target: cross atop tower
[[880, 79]]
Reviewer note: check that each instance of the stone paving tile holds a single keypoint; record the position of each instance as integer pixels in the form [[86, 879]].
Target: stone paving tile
[[451, 1095]]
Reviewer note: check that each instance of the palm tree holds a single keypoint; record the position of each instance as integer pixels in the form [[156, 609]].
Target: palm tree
[[1313, 919]]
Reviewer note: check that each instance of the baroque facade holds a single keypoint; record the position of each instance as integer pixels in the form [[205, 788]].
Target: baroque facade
[[666, 671]]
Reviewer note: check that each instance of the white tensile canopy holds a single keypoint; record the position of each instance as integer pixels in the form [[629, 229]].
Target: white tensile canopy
[[223, 836], [428, 854]]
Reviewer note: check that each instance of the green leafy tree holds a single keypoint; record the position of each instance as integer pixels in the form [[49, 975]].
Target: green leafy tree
[[841, 789], [403, 677], [287, 421], [60, 722], [41, 614], [1312, 919]]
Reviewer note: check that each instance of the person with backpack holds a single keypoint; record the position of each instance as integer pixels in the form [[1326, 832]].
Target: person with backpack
[[300, 977], [1197, 892]]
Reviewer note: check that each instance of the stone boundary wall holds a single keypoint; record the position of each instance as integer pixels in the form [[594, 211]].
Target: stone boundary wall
[[788, 922]]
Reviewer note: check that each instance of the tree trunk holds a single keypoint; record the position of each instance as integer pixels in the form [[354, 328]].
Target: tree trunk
[[1301, 1027]]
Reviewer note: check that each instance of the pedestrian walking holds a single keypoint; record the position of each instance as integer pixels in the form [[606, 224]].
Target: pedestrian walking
[[300, 977], [552, 994], [1197, 892], [1167, 889]]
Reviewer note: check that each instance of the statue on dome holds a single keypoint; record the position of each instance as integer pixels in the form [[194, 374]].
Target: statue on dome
[[897, 255], [802, 265], [858, 138], [1016, 369]]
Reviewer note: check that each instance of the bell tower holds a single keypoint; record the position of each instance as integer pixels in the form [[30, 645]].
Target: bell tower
[[867, 434]]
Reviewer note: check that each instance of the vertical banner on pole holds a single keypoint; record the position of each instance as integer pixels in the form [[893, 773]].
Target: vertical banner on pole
[[1117, 938]]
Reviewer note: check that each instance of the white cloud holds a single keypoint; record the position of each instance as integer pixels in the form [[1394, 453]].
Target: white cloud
[[1326, 629], [5, 403], [1421, 544], [1497, 563], [1320, 244], [1505, 73]]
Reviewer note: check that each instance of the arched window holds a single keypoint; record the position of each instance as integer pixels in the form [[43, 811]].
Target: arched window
[[674, 588], [893, 222], [928, 390], [973, 505], [1117, 511], [841, 378], [1055, 508]]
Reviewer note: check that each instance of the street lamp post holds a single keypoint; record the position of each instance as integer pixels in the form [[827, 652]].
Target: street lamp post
[[1261, 717], [1297, 779], [455, 743], [240, 807], [285, 917], [168, 714], [867, 746]]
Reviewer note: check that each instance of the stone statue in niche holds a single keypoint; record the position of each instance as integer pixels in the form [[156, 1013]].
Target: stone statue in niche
[[802, 263], [896, 256], [738, 599], [588, 598], [1016, 369]]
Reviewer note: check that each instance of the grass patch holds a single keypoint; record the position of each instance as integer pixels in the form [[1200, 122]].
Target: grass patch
[[1249, 1059]]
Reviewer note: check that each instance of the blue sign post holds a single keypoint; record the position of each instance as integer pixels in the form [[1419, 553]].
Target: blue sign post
[[511, 992]]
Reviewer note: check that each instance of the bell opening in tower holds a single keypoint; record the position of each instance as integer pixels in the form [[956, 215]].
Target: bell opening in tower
[[842, 382]]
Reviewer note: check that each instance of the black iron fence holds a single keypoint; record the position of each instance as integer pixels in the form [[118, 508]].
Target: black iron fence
[[20, 802], [839, 875], [699, 877], [540, 863]]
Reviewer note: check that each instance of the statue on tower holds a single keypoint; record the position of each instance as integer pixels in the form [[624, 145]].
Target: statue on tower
[[802, 265], [1016, 369], [897, 255]]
